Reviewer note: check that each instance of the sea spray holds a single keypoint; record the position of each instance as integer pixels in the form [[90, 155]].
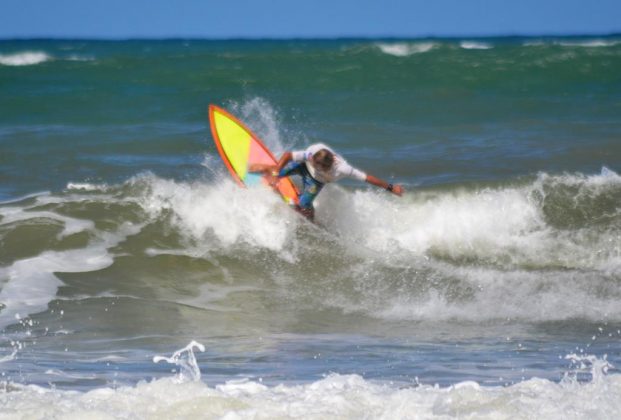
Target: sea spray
[[587, 367], [186, 361], [264, 120]]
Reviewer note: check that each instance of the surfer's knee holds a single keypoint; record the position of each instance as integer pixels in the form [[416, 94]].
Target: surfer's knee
[[306, 200]]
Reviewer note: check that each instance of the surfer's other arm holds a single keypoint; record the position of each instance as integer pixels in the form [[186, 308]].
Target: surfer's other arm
[[395, 189]]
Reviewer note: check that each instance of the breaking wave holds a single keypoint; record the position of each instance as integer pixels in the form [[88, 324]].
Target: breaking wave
[[26, 58], [403, 49], [342, 396], [544, 249]]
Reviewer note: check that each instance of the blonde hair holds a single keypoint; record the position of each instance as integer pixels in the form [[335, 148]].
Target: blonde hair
[[324, 158]]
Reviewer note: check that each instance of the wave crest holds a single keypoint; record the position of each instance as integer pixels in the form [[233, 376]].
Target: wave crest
[[26, 58], [406, 49]]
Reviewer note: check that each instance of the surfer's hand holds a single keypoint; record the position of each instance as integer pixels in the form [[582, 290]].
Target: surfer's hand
[[397, 190], [272, 180]]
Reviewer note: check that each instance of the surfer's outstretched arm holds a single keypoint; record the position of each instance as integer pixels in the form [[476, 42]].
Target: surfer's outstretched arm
[[395, 189]]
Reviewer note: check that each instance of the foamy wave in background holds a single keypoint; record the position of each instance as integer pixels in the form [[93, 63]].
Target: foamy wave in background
[[80, 58], [589, 43], [472, 45], [26, 58], [31, 58], [341, 396], [403, 49]]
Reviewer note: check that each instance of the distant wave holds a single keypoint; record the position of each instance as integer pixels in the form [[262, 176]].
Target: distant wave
[[25, 58], [79, 58], [31, 58], [472, 45], [404, 49], [585, 43], [589, 43]]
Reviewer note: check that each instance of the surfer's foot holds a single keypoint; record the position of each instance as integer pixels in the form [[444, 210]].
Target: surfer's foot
[[309, 213]]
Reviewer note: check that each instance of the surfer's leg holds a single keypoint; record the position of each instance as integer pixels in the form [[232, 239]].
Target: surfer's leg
[[311, 189]]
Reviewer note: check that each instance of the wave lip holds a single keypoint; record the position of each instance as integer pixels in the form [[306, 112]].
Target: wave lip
[[25, 58], [403, 49]]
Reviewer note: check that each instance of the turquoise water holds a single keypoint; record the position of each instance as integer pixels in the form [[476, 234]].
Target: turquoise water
[[122, 237]]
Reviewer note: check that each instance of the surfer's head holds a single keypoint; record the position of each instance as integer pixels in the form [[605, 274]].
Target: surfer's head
[[323, 159]]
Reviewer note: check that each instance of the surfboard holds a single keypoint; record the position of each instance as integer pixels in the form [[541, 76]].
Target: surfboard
[[239, 148]]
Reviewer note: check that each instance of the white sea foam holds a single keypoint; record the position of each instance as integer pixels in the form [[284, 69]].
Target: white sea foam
[[85, 186], [505, 226], [495, 295], [503, 256], [31, 58], [70, 225], [225, 212], [25, 58], [335, 396], [472, 45], [403, 49]]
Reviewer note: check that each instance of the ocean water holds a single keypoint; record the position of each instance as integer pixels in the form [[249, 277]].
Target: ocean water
[[138, 281]]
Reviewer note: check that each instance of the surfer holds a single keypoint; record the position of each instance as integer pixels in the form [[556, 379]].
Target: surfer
[[317, 165]]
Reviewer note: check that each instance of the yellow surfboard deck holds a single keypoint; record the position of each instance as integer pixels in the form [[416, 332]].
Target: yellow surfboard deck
[[240, 148]]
